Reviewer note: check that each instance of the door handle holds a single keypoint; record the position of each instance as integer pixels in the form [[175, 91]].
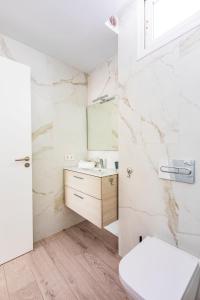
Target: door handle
[[26, 158]]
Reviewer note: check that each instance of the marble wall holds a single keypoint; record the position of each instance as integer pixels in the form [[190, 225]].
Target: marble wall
[[59, 98], [104, 80], [159, 119]]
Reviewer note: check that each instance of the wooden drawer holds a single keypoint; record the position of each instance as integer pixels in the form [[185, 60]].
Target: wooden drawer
[[85, 205], [87, 184]]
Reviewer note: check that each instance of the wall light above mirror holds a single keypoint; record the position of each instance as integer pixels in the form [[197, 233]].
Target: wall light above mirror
[[102, 126]]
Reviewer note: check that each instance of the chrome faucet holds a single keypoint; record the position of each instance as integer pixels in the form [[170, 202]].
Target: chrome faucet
[[99, 163]]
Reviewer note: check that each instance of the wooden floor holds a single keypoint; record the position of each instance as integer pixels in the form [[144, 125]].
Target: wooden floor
[[78, 263]]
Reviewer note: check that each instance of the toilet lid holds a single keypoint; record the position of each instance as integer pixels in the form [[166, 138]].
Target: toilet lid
[[155, 270]]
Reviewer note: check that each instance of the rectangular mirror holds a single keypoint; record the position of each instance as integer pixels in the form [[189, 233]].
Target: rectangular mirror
[[102, 126]]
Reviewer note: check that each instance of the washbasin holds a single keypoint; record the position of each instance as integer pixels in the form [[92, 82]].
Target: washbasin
[[99, 172]]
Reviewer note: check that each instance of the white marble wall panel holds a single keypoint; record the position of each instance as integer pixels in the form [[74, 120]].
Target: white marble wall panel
[[104, 80], [59, 98], [159, 119]]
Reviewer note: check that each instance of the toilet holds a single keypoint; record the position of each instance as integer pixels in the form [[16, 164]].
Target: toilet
[[155, 270]]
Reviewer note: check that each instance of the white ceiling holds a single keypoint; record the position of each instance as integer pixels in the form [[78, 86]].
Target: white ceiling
[[70, 30]]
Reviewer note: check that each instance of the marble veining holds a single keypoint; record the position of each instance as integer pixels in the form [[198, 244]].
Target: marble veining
[[41, 193], [104, 81], [59, 201], [130, 128], [112, 75], [59, 97], [172, 210], [143, 212], [156, 128], [41, 130], [159, 119], [73, 81]]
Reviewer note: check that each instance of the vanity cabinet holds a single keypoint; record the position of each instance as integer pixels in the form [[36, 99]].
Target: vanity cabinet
[[93, 197]]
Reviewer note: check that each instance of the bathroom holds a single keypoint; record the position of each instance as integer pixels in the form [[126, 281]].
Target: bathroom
[[99, 194]]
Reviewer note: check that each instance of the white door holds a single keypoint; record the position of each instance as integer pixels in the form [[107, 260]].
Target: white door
[[16, 229]]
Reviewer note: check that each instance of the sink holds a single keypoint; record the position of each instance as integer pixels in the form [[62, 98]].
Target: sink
[[101, 171], [94, 171]]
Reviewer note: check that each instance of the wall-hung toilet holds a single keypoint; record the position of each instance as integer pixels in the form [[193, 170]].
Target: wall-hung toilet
[[155, 270]]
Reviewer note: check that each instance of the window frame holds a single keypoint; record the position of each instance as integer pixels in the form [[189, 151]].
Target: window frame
[[174, 33]]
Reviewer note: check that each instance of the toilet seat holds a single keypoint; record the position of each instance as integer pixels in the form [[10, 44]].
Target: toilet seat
[[155, 270]]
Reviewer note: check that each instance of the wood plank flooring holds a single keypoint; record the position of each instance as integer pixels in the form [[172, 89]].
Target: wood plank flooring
[[78, 263]]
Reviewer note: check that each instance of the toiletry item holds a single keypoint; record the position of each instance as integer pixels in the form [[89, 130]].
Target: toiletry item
[[116, 165], [84, 164]]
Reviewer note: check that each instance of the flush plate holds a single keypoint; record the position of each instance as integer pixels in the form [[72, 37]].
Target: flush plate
[[177, 170]]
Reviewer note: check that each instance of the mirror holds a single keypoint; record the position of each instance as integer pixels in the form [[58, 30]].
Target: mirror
[[102, 126]]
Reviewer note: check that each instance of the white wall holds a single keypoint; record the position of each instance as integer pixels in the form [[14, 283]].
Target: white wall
[[160, 119], [104, 80], [59, 98]]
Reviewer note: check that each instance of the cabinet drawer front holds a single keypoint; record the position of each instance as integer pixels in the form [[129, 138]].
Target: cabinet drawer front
[[87, 184], [86, 206]]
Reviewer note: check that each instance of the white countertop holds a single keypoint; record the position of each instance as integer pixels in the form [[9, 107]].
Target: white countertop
[[93, 172]]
